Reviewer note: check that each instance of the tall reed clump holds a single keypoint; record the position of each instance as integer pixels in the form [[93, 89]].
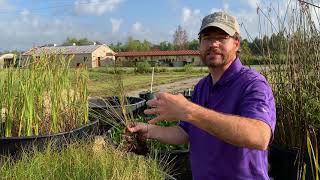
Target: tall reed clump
[[118, 113], [294, 72], [45, 97], [81, 160]]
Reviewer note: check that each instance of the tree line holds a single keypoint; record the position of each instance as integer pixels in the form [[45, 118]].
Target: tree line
[[250, 50]]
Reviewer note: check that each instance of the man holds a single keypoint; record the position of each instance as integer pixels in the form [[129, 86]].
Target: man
[[231, 118]]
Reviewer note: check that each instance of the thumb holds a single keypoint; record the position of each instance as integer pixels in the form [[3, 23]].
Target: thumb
[[134, 129]]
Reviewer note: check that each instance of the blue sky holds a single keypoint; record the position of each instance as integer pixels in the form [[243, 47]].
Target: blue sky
[[27, 23]]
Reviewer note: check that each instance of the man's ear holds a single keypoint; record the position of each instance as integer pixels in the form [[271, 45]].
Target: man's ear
[[237, 43]]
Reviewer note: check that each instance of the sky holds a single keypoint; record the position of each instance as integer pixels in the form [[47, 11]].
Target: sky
[[28, 23]]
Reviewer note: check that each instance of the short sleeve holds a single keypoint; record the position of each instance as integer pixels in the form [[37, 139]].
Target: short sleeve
[[258, 103]]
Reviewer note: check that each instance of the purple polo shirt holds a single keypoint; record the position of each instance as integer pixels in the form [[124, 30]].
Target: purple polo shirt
[[240, 91]]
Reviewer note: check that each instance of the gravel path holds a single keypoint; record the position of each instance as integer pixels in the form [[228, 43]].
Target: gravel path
[[171, 87]]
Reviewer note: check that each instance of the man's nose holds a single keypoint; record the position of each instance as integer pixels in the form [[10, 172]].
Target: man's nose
[[214, 43]]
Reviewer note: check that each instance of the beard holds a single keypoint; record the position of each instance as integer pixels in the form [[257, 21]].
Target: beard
[[215, 62]]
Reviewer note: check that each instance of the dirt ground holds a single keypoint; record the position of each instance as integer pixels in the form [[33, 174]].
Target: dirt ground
[[174, 87]]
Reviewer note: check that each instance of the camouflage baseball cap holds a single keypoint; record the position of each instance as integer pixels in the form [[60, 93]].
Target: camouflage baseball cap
[[222, 20]]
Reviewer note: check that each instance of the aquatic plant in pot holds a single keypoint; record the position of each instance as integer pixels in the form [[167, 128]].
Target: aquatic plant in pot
[[44, 100], [293, 70], [117, 112]]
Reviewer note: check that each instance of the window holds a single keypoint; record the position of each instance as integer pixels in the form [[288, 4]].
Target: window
[[85, 59]]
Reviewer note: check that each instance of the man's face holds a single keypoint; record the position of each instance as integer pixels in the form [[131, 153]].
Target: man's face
[[217, 48]]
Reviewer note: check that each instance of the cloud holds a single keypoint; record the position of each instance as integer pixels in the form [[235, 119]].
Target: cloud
[[116, 23], [6, 6], [40, 30], [189, 15], [191, 21], [140, 32], [251, 3], [315, 15], [215, 10], [137, 28], [225, 6], [25, 12], [95, 7]]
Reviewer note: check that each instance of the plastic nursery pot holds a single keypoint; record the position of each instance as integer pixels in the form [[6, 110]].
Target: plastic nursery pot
[[108, 108], [179, 163], [15, 145], [188, 93], [147, 95], [283, 165]]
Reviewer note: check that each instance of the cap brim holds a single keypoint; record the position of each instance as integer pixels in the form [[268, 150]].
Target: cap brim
[[224, 27]]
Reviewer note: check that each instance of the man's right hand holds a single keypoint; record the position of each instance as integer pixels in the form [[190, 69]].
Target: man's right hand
[[168, 135], [142, 129]]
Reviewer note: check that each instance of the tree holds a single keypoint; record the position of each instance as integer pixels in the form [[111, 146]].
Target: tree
[[146, 46], [119, 47], [245, 49], [166, 46], [256, 46], [136, 45], [180, 38], [81, 42], [193, 45]]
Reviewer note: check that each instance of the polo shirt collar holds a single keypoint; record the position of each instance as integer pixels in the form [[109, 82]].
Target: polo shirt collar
[[230, 73]]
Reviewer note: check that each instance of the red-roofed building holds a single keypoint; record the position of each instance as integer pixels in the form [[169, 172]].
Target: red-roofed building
[[169, 58]]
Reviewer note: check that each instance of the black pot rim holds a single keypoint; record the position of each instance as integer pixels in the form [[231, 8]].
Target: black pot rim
[[142, 101], [49, 135]]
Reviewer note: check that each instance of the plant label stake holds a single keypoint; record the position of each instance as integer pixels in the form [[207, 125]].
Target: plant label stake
[[152, 79]]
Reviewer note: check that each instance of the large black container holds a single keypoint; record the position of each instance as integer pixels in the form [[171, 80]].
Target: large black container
[[14, 145], [147, 95], [283, 164], [179, 163], [108, 109]]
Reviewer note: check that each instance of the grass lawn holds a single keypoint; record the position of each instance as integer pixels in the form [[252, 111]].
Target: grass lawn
[[101, 83]]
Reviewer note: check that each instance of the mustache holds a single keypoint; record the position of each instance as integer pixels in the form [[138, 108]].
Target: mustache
[[215, 51]]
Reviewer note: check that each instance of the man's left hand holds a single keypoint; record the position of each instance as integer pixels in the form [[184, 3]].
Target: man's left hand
[[168, 107]]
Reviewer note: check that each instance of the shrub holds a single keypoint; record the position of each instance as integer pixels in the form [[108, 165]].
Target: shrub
[[143, 67], [188, 68]]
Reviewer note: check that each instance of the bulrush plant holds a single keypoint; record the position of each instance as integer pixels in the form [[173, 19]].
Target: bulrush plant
[[45, 97], [294, 72], [118, 114]]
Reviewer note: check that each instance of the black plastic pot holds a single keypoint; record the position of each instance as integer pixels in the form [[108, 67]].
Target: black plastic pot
[[14, 145], [283, 164], [147, 95], [104, 108], [187, 94], [179, 163]]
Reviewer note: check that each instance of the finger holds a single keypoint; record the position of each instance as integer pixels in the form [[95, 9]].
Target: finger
[[135, 129], [132, 124], [179, 94], [150, 111], [152, 103], [156, 120], [159, 95]]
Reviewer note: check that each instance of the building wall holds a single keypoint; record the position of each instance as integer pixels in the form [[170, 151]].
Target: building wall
[[79, 59], [101, 53], [90, 59]]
